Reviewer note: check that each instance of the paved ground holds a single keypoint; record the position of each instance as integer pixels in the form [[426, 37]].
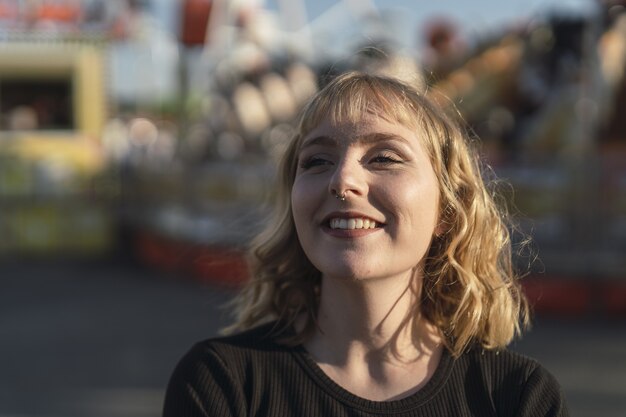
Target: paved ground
[[100, 340]]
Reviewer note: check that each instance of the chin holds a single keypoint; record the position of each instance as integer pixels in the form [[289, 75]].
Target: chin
[[351, 273], [341, 271]]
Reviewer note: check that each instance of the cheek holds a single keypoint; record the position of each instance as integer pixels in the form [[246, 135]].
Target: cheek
[[301, 202], [420, 207]]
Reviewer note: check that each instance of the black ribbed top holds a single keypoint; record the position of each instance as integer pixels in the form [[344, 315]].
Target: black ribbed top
[[250, 374]]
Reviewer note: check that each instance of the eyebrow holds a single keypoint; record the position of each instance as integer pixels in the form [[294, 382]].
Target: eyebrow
[[369, 138]]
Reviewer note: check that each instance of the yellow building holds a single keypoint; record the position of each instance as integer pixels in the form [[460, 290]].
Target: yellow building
[[52, 111]]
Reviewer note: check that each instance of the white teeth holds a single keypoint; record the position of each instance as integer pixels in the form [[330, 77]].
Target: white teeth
[[350, 224]]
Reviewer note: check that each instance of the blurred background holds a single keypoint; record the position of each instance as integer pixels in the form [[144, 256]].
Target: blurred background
[[138, 140]]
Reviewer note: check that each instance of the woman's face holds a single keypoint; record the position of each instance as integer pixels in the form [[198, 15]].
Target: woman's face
[[390, 213]]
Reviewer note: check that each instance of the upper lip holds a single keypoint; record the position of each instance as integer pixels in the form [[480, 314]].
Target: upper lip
[[349, 215]]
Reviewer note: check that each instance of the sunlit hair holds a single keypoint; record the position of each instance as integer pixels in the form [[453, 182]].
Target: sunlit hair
[[469, 290]]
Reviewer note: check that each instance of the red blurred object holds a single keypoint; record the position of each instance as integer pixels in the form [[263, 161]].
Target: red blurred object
[[440, 34], [567, 297], [614, 298], [211, 264], [159, 252], [558, 296], [220, 265], [195, 15]]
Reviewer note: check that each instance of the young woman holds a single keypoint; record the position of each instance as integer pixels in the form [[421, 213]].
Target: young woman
[[383, 285]]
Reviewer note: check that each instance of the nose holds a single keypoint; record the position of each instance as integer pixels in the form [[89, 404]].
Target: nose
[[348, 179]]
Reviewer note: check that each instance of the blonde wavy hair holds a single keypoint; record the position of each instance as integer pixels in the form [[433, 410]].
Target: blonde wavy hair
[[469, 290]]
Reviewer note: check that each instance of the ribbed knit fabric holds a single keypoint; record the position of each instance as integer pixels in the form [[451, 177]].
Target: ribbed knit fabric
[[250, 374]]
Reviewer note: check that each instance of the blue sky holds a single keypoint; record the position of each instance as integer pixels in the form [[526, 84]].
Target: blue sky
[[473, 16], [473, 13]]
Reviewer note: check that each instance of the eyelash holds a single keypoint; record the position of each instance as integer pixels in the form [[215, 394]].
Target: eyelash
[[311, 162], [383, 158]]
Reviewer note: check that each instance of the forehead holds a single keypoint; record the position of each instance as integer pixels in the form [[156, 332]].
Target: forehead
[[369, 129], [354, 101]]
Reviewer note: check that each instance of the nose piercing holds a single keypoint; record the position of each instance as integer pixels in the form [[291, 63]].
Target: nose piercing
[[340, 197]]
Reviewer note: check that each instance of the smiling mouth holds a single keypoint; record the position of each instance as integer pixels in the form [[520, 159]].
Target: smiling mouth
[[352, 224]]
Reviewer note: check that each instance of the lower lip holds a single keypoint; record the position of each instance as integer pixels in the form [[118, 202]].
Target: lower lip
[[350, 233]]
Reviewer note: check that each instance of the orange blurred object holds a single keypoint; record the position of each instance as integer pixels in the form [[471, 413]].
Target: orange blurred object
[[60, 12]]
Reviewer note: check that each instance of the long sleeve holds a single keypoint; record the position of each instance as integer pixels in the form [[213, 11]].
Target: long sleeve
[[542, 396], [202, 386]]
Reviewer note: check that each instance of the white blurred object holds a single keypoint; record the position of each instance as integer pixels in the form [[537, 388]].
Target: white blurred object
[[23, 118], [401, 67], [302, 81], [238, 24], [115, 140], [250, 109], [142, 132], [612, 51], [278, 97]]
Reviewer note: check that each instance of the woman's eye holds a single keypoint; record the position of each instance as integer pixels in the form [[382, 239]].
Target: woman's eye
[[385, 159], [314, 162]]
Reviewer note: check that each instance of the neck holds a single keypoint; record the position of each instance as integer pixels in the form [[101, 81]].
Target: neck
[[374, 319]]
